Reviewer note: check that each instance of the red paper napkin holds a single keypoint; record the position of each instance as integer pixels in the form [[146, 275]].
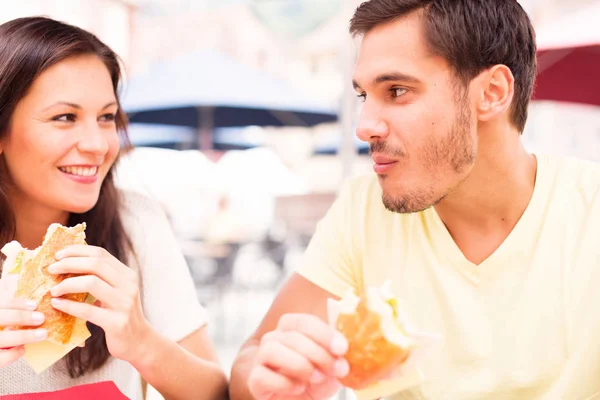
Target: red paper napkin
[[94, 391]]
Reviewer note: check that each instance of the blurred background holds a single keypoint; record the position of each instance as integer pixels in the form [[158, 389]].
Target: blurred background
[[243, 115]]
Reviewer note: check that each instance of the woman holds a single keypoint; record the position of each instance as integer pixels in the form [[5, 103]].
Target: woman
[[60, 133]]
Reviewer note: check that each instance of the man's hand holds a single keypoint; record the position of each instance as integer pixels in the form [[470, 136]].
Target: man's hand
[[300, 360]]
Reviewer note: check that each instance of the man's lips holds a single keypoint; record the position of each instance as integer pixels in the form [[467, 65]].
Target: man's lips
[[383, 160], [383, 164]]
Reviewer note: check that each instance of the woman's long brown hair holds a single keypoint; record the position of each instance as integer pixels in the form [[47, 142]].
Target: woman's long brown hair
[[29, 46]]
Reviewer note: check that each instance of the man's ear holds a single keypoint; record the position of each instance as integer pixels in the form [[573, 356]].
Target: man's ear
[[496, 93]]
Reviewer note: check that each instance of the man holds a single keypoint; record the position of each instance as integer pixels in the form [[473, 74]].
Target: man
[[491, 247]]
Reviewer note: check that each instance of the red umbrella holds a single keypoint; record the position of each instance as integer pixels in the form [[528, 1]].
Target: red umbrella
[[569, 59]]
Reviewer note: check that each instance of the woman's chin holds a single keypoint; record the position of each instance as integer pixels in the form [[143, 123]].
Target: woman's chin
[[81, 206]]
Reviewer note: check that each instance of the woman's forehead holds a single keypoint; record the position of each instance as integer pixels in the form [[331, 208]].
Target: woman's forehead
[[82, 80]]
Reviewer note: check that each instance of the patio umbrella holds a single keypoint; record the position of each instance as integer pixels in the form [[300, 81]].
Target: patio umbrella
[[569, 58], [207, 89]]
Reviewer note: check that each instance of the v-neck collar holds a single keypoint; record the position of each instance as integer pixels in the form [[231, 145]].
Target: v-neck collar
[[518, 243]]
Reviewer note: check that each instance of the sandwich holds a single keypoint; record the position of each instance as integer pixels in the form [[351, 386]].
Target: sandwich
[[34, 282], [378, 341]]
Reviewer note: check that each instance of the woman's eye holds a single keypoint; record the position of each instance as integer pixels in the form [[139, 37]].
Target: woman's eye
[[65, 118], [362, 97], [109, 117]]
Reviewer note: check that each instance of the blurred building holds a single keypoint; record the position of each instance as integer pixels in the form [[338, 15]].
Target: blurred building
[[112, 25]]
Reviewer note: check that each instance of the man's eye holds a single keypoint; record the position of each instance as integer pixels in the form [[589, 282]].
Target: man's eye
[[397, 92], [65, 118]]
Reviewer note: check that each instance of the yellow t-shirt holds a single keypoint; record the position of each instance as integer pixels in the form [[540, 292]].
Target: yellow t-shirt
[[524, 324]]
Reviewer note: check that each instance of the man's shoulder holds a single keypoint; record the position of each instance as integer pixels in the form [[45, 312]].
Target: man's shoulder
[[575, 184], [362, 193], [572, 165], [361, 185], [580, 174], [361, 197]]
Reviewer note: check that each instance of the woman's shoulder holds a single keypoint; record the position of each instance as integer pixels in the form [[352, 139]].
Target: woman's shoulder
[[137, 205], [146, 225]]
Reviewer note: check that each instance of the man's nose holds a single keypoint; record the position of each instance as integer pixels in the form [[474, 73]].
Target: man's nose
[[369, 129]]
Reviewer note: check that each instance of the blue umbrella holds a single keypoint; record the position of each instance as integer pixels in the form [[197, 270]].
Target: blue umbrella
[[208, 89]]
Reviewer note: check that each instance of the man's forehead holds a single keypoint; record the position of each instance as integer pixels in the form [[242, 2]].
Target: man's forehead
[[398, 45]]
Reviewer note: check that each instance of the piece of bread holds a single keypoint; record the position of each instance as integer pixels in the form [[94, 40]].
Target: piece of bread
[[35, 282], [378, 344]]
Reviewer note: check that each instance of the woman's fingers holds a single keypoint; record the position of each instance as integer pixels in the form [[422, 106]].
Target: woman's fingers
[[11, 355], [87, 266], [18, 303], [16, 338], [88, 284], [87, 312], [20, 318]]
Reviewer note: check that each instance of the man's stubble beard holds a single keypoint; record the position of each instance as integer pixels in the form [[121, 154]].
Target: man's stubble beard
[[462, 155]]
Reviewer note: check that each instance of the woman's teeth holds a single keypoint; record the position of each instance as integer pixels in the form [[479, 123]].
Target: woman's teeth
[[80, 171]]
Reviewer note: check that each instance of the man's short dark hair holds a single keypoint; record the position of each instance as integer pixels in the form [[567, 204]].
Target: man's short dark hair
[[471, 35]]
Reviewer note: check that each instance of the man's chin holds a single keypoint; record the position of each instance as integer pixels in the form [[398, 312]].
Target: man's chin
[[404, 204]]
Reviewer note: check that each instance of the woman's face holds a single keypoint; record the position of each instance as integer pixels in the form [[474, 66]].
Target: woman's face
[[63, 138]]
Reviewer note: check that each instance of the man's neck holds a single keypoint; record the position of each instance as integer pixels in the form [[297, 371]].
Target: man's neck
[[490, 202], [32, 222]]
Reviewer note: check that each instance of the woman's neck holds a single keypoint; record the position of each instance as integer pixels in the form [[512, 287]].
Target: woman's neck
[[32, 222]]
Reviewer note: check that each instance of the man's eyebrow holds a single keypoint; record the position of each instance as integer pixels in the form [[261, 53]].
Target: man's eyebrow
[[389, 77], [395, 76]]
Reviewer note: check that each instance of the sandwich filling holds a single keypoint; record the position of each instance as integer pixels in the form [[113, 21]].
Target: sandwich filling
[[382, 302]]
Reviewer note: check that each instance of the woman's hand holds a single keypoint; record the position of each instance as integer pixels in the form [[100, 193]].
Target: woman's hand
[[18, 312], [118, 308]]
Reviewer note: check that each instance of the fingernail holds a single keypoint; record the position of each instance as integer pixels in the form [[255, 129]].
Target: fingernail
[[56, 302], [52, 269], [317, 377], [40, 333], [339, 344], [37, 318], [341, 368], [59, 255], [31, 305]]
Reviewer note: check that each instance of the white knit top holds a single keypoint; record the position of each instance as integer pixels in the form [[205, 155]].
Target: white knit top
[[169, 301]]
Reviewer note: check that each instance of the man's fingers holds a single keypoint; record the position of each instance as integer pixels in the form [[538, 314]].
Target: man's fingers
[[320, 357], [286, 361], [11, 355], [265, 384], [315, 329]]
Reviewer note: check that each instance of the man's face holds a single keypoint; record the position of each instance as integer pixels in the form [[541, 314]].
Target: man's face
[[416, 116]]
